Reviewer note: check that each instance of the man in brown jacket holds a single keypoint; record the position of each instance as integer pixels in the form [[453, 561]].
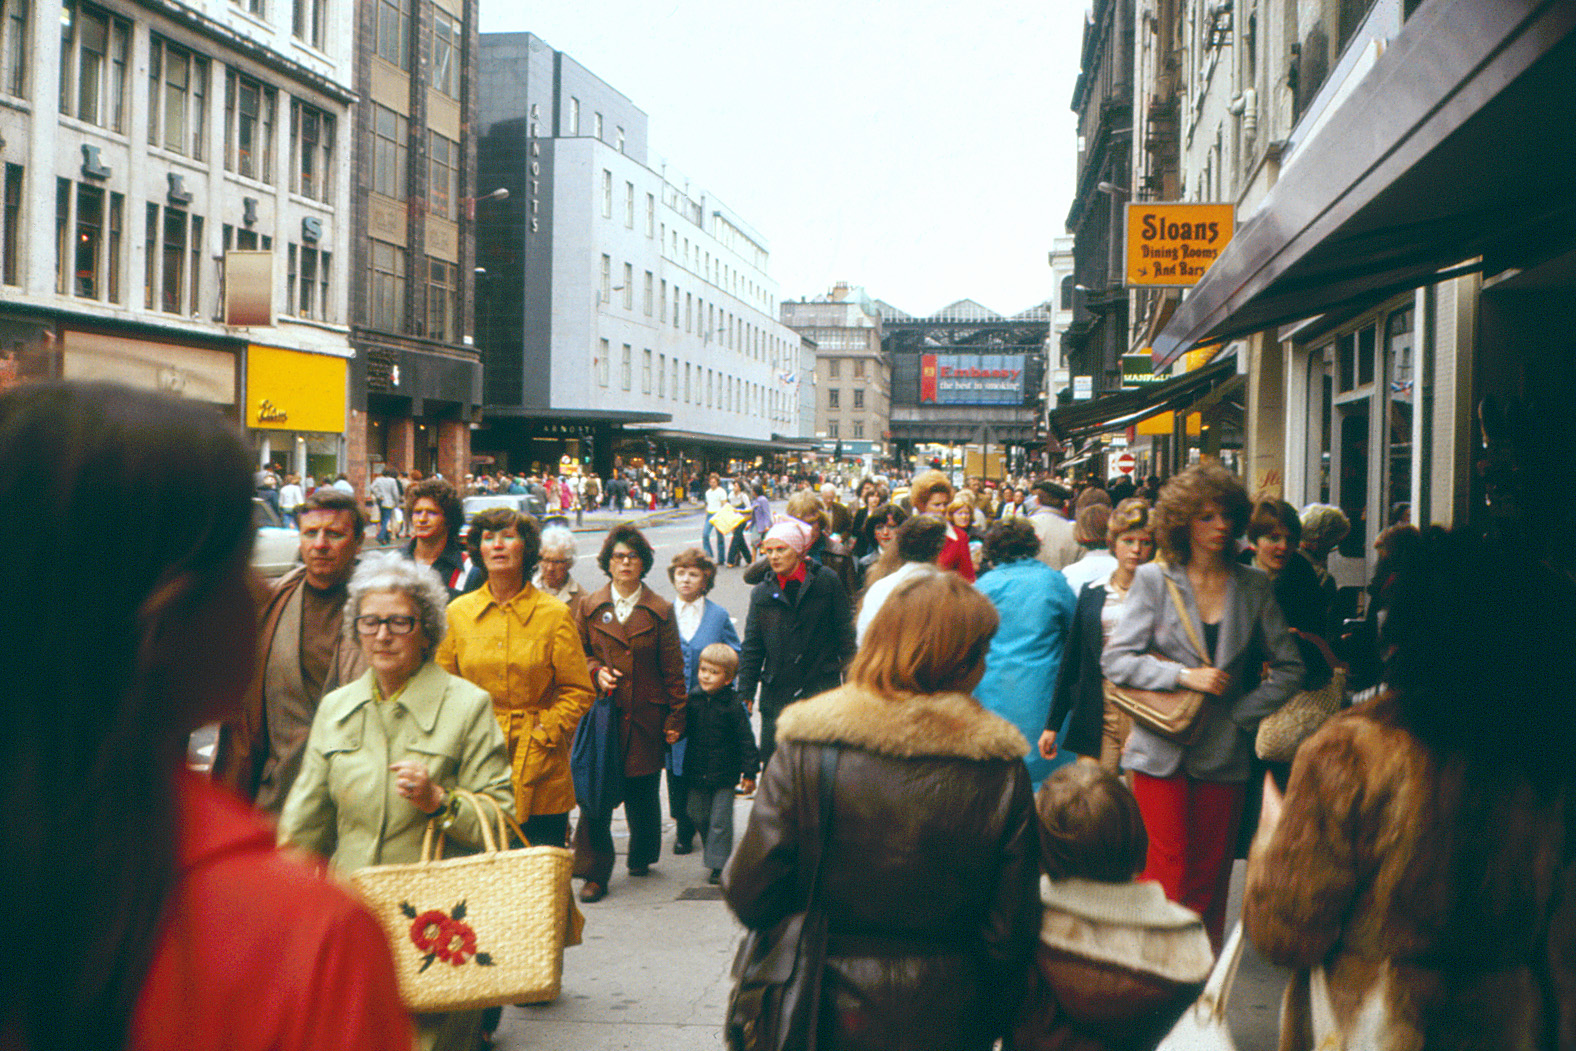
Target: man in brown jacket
[[302, 655]]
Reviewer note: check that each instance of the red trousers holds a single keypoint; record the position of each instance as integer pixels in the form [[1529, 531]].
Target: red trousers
[[1192, 828]]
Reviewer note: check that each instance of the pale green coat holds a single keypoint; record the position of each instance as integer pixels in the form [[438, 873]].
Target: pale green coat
[[344, 805]]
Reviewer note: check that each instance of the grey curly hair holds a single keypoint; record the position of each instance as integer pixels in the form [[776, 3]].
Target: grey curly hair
[[557, 538], [392, 571]]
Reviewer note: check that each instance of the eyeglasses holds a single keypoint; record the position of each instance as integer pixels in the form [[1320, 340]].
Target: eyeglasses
[[369, 625], [623, 556], [561, 561]]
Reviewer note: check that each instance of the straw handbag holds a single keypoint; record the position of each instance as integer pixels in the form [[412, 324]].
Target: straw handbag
[[1176, 715], [477, 931], [1282, 732]]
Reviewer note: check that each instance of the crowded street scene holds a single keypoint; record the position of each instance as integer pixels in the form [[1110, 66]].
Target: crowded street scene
[[487, 593]]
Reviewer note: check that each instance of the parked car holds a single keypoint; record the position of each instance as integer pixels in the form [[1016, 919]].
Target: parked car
[[530, 504], [278, 547]]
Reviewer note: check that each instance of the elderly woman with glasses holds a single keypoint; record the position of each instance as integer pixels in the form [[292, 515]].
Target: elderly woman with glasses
[[386, 752], [631, 640]]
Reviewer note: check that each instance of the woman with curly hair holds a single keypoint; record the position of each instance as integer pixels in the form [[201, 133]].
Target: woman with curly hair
[[932, 495], [1192, 795], [435, 514], [631, 640]]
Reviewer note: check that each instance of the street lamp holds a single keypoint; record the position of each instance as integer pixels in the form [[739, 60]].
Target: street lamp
[[500, 194]]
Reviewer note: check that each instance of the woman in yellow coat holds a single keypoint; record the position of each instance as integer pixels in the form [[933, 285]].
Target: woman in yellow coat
[[522, 647]]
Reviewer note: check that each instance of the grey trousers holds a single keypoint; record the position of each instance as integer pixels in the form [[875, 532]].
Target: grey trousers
[[712, 811]]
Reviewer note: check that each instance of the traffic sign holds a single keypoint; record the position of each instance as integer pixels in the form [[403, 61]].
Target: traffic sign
[[1125, 463]]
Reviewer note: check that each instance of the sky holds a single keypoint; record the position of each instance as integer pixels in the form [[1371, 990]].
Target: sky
[[924, 150]]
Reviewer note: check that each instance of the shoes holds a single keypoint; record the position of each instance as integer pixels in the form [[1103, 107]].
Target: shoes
[[592, 891], [681, 846], [715, 877], [640, 870]]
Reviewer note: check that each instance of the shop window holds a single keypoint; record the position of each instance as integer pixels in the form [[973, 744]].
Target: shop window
[[93, 48], [177, 99], [249, 127], [387, 303], [311, 151], [389, 145], [10, 225], [443, 175], [1320, 408], [13, 47], [1401, 387], [446, 52]]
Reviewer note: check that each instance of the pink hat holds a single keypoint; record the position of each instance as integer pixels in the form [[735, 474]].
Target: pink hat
[[792, 532]]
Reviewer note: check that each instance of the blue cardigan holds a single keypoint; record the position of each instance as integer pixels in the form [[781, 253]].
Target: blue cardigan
[[715, 626]]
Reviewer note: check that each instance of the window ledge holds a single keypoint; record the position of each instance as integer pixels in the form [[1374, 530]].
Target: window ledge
[[326, 326], [179, 158], [18, 104], [75, 124], [296, 198], [256, 184]]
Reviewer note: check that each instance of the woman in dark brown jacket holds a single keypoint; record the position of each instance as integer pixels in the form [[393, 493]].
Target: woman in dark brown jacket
[[631, 639], [929, 876]]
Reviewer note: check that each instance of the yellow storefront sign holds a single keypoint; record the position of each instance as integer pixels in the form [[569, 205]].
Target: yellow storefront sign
[[1161, 425], [1171, 245], [288, 390]]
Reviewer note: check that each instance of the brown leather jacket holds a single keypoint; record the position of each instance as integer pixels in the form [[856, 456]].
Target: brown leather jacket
[[929, 881], [646, 649]]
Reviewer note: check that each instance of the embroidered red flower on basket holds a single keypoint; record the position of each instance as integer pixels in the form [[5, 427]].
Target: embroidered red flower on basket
[[444, 936]]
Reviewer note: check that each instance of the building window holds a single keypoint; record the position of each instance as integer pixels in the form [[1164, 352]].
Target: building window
[[859, 428], [675, 307], [255, 7], [602, 364], [311, 151], [249, 128], [389, 145], [10, 222], [662, 302], [689, 310], [387, 302], [651, 215], [645, 372], [93, 48], [173, 245], [13, 47], [306, 282], [607, 194], [627, 372], [443, 181], [574, 116], [662, 375], [648, 293], [88, 241], [607, 279], [598, 126], [831, 429], [832, 398], [833, 369], [859, 398], [177, 99], [620, 140], [446, 52], [629, 206], [393, 43], [441, 290], [859, 368], [629, 287], [307, 23]]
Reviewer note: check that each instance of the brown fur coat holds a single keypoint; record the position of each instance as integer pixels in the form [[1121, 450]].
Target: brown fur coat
[[1436, 893]]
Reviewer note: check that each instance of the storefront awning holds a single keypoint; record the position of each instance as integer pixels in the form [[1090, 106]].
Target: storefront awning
[[722, 442], [1455, 152], [1125, 408]]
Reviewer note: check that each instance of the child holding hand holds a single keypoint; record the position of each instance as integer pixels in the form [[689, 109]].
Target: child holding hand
[[721, 753]]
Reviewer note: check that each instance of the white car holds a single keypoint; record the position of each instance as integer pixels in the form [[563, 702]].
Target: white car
[[277, 548]]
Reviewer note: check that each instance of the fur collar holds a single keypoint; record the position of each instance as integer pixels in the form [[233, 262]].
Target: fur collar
[[951, 725], [1130, 925]]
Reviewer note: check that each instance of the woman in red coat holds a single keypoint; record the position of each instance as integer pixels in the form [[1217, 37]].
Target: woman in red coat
[[631, 639]]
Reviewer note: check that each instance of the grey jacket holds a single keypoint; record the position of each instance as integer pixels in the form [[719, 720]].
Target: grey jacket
[[1252, 632]]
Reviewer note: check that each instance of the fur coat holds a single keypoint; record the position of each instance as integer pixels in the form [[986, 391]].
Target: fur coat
[[1435, 892], [930, 871]]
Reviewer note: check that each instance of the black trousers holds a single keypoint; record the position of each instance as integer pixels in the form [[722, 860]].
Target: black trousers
[[547, 830], [769, 712], [678, 807], [594, 836]]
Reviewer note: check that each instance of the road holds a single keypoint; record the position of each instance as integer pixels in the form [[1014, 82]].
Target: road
[[653, 972]]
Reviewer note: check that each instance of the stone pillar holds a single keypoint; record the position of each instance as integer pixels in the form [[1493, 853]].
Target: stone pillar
[[1264, 423], [401, 443], [454, 450], [355, 452]]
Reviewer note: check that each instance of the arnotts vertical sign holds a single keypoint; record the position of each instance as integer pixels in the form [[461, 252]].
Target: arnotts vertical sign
[[971, 379], [1171, 245]]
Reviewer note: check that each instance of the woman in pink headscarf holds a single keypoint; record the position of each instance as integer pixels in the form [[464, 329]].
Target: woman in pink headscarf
[[800, 631]]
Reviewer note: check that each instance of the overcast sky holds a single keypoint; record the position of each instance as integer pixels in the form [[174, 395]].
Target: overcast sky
[[922, 149]]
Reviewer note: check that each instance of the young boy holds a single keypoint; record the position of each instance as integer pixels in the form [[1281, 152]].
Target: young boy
[[721, 751]]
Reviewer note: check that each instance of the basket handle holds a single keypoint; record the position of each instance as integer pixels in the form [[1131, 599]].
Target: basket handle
[[506, 824], [431, 851]]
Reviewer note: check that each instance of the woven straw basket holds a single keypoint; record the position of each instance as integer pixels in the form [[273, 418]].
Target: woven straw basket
[[477, 931]]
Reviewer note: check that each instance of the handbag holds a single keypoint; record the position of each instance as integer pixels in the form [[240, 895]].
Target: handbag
[[727, 520], [1282, 732], [1203, 1026], [1175, 715], [596, 762], [477, 931], [776, 996]]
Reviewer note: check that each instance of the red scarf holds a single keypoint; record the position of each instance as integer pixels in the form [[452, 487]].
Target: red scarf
[[797, 574]]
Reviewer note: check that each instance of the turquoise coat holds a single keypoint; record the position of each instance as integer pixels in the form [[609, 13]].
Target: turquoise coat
[[1036, 608]]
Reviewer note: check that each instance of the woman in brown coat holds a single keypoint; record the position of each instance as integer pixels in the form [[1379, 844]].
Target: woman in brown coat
[[930, 865], [631, 640], [1420, 877]]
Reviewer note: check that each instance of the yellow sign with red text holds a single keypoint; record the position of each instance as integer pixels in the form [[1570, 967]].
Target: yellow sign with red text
[[1171, 245]]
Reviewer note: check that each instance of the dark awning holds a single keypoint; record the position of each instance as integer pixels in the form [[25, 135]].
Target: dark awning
[[722, 442], [1125, 408], [1455, 151]]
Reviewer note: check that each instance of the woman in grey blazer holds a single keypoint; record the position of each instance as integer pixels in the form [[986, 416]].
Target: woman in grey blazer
[[1191, 797]]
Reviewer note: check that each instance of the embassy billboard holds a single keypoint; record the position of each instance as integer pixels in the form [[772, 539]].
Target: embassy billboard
[[971, 379]]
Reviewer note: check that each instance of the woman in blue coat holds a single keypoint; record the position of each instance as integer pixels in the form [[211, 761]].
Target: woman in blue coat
[[1036, 607], [701, 623]]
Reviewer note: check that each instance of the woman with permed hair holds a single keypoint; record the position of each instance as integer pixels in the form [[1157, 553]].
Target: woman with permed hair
[[1200, 621], [630, 637]]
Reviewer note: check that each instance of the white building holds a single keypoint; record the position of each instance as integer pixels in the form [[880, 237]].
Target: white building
[[140, 143], [625, 305]]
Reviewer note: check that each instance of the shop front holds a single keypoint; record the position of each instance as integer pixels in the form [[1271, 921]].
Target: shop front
[[295, 411], [199, 372]]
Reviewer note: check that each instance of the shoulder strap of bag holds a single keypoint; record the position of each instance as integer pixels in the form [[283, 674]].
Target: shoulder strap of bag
[[1187, 622], [830, 754]]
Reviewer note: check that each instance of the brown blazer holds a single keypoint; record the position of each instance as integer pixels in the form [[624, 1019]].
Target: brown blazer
[[645, 648]]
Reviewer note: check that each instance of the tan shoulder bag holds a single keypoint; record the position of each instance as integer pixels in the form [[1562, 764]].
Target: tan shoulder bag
[[1176, 715]]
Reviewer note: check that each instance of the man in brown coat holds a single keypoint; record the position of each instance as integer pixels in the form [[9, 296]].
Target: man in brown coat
[[302, 655]]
